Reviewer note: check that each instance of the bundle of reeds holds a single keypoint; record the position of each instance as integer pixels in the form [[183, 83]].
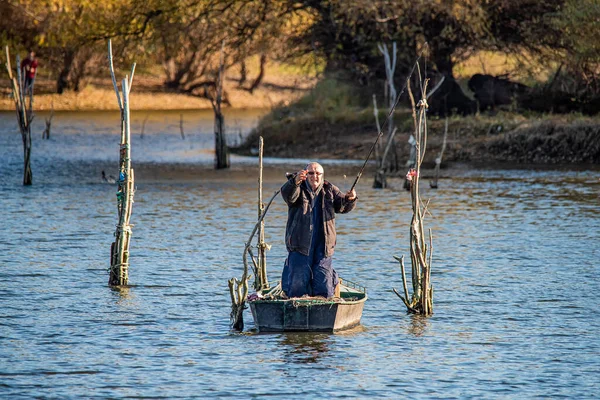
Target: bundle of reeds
[[421, 301], [119, 260]]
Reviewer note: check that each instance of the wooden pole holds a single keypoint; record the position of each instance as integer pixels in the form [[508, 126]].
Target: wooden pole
[[46, 133], [112, 75], [262, 246], [379, 181], [438, 161], [390, 70], [119, 268], [387, 147], [181, 126], [412, 158], [143, 127]]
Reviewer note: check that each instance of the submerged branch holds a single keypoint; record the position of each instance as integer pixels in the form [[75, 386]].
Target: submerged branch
[[411, 309]]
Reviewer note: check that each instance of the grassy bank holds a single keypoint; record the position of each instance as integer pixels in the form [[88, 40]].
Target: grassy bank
[[336, 121]]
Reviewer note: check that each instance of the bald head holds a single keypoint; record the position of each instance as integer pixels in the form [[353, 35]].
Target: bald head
[[314, 164]]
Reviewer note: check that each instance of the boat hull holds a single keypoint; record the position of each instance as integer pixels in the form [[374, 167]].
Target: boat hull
[[308, 315]]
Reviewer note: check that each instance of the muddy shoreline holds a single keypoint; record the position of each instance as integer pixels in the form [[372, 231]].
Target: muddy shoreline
[[532, 142]]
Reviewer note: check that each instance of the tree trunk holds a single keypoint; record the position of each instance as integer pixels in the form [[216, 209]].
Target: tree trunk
[[62, 82], [78, 71], [443, 61], [243, 74], [261, 74], [27, 174], [221, 150]]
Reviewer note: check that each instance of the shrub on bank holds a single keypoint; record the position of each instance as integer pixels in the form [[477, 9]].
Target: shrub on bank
[[335, 120]]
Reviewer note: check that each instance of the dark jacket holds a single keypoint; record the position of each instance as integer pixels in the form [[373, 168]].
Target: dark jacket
[[298, 231]]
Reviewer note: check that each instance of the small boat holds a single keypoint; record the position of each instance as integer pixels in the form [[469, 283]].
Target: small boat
[[271, 310], [274, 313]]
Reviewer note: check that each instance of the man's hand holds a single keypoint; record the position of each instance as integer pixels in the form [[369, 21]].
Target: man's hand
[[300, 176], [351, 195]]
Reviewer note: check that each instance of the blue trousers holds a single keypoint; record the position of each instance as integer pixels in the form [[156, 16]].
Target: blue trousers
[[312, 275]]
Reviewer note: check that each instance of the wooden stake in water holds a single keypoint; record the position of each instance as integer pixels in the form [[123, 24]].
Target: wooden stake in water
[[238, 289], [438, 161], [24, 114], [46, 133], [262, 282], [421, 301], [119, 260], [389, 116]]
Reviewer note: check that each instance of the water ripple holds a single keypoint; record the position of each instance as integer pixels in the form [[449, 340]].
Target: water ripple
[[515, 282]]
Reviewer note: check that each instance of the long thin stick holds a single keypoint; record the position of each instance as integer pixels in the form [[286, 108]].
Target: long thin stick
[[262, 246], [181, 126], [380, 134], [131, 77], [143, 127], [438, 161], [238, 303], [387, 147], [376, 114], [112, 75]]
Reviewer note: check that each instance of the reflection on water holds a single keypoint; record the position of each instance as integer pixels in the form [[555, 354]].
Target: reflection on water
[[304, 347], [511, 248], [124, 295], [418, 325]]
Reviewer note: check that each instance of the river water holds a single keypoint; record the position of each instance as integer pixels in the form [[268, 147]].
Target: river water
[[515, 276]]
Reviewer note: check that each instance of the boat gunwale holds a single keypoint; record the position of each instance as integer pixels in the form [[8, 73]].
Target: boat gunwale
[[311, 302]]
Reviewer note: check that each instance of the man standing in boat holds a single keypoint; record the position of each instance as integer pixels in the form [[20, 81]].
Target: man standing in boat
[[310, 235]]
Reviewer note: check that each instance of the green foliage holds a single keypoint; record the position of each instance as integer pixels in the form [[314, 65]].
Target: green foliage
[[329, 100], [329, 96], [579, 21]]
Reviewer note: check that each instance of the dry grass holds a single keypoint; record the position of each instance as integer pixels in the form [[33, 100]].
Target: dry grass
[[282, 85], [278, 87]]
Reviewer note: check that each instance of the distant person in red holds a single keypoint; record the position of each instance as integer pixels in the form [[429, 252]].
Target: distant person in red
[[28, 70]]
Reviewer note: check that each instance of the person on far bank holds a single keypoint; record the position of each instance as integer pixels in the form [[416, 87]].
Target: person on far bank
[[310, 235], [28, 70]]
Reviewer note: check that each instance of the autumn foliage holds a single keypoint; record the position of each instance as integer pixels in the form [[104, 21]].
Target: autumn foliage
[[182, 38]]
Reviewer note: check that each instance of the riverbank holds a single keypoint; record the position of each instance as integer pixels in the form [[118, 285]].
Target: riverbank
[[503, 137], [320, 122], [336, 120]]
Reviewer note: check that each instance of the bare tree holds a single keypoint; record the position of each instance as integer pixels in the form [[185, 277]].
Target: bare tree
[[221, 150], [24, 111]]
